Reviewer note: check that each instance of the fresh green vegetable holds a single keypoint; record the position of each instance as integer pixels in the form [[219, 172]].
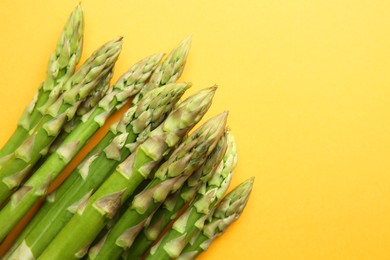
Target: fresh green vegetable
[[61, 67], [99, 163]]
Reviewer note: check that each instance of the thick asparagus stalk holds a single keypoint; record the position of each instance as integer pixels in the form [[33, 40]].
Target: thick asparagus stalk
[[226, 212], [175, 202], [169, 178], [103, 204], [61, 67], [37, 144], [82, 181], [192, 220]]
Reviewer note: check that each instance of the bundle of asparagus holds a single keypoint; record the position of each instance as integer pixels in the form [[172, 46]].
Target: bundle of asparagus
[[146, 173]]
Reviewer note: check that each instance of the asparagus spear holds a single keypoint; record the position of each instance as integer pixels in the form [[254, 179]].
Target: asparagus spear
[[61, 67], [169, 178], [175, 202], [226, 212], [103, 204], [82, 181], [173, 242], [37, 144]]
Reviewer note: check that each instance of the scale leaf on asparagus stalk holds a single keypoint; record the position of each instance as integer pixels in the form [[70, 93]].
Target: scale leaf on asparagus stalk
[[192, 220], [169, 178], [61, 67], [228, 210], [122, 182], [118, 143], [175, 202], [44, 133]]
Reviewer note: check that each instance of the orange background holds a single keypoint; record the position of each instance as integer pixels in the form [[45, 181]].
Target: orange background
[[307, 85]]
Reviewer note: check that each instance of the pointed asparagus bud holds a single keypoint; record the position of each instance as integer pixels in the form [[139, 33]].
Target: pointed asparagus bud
[[169, 71], [134, 80], [68, 51], [225, 213]]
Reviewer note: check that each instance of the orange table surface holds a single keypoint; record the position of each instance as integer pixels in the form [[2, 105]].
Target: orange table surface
[[307, 84]]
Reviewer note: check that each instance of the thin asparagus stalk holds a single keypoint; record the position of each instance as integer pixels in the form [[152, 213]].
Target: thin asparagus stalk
[[103, 204], [192, 220], [169, 178], [37, 144], [54, 214], [226, 212], [61, 67], [175, 202]]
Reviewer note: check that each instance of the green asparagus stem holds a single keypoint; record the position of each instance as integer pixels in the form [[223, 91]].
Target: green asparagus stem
[[226, 212], [37, 144], [61, 67], [103, 204], [175, 202], [169, 178], [54, 214], [192, 220]]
